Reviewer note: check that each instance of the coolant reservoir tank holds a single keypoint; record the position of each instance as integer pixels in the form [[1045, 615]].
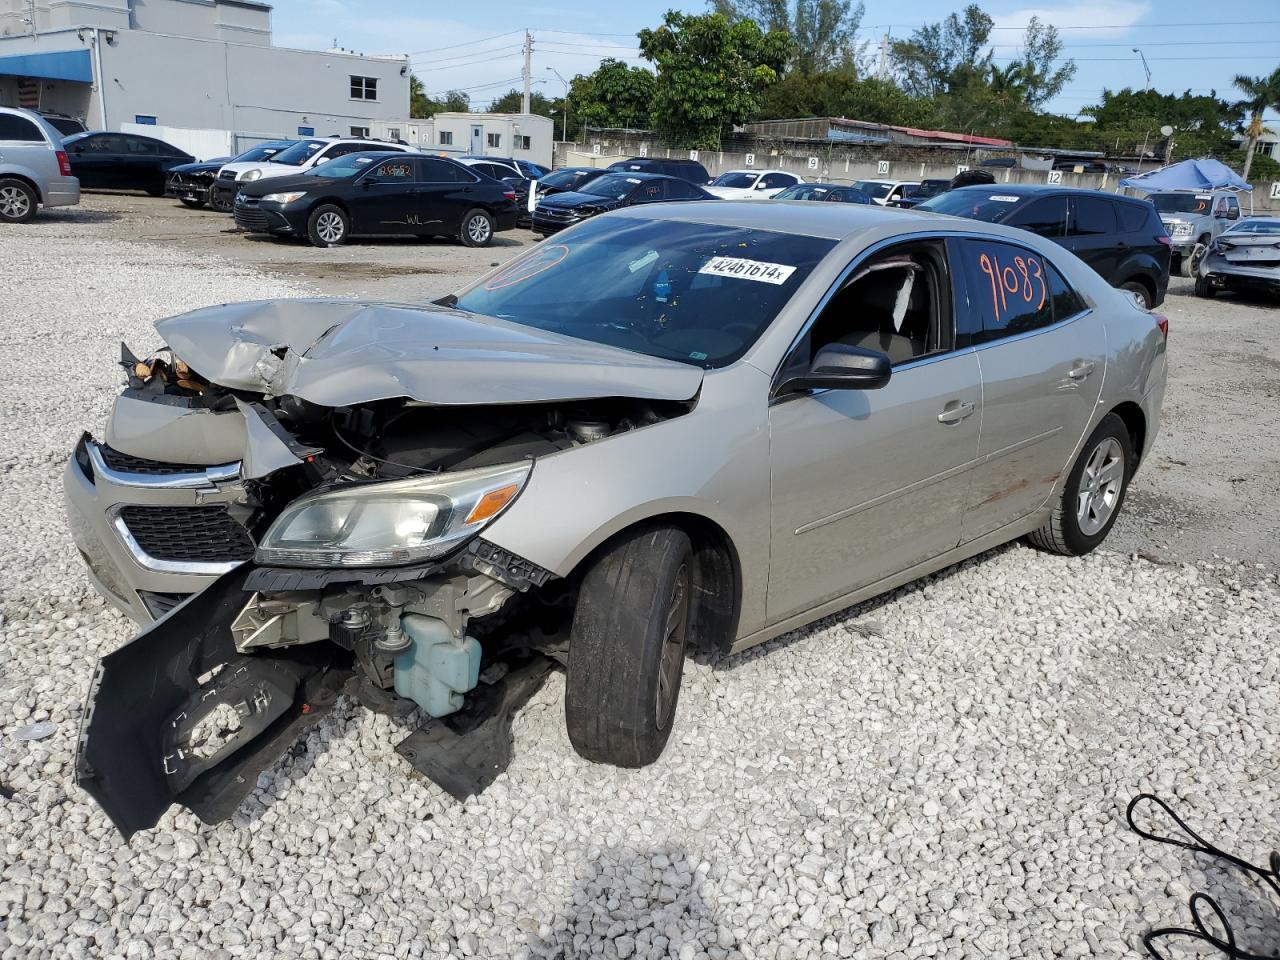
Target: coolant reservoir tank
[[436, 669]]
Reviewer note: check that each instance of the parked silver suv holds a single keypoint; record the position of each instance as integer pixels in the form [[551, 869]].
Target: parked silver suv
[[1193, 219], [34, 168]]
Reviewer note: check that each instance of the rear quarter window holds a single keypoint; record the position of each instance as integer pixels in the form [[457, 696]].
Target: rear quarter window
[[1133, 218], [19, 129], [1012, 290]]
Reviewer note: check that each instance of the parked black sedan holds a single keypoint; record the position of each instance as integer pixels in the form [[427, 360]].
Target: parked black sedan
[[379, 193], [610, 193], [823, 193], [123, 161], [192, 183]]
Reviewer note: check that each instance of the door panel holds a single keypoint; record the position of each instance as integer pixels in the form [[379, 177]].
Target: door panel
[[1093, 235], [384, 201], [1041, 377], [866, 483]]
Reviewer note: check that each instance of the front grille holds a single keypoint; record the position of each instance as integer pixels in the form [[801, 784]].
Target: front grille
[[227, 175], [249, 218], [128, 463], [188, 534], [561, 216]]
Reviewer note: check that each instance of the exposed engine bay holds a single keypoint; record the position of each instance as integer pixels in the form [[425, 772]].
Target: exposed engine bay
[[351, 538]]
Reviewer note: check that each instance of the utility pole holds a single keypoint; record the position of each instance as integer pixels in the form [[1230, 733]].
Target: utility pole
[[883, 73], [528, 54]]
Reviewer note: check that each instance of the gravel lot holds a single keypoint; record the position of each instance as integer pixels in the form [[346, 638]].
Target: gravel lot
[[937, 773]]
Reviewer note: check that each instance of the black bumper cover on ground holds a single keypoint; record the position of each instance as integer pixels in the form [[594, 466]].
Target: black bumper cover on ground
[[133, 756]]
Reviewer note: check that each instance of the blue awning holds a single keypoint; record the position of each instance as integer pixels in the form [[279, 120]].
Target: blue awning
[[1205, 174], [58, 65]]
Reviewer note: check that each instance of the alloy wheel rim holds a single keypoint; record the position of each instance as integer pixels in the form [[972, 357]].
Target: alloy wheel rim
[[478, 229], [673, 642], [14, 203], [329, 226], [1100, 486]]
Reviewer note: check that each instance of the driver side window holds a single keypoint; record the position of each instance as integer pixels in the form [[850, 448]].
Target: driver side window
[[898, 303]]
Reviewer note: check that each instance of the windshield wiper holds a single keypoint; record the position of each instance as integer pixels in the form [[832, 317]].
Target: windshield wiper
[[448, 300]]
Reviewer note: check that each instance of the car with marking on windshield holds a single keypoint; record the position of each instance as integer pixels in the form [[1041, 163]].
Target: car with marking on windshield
[[564, 180], [823, 193], [1121, 237], [1244, 258], [675, 427], [194, 183], [752, 184], [299, 158], [1193, 220], [379, 194], [611, 192]]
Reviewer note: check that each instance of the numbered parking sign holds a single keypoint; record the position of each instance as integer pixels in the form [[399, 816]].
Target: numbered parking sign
[[595, 148], [1275, 191], [644, 149], [750, 160], [882, 167], [693, 154], [1055, 176], [813, 163], [961, 168]]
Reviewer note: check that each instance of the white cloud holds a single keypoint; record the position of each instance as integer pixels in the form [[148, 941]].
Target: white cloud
[[1089, 19]]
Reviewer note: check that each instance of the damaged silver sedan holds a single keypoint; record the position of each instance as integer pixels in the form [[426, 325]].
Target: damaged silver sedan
[[680, 428]]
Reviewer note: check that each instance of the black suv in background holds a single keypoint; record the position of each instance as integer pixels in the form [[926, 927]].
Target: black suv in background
[[1122, 238], [690, 170]]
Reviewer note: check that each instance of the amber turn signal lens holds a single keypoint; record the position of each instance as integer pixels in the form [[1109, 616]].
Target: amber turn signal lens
[[492, 502]]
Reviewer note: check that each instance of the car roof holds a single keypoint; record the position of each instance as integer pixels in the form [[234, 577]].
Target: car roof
[[1039, 189], [832, 221]]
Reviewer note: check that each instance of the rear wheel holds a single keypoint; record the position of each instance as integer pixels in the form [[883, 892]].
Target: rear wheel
[[1093, 494], [1204, 288], [327, 226], [627, 648], [477, 228], [1140, 293], [192, 202], [17, 201]]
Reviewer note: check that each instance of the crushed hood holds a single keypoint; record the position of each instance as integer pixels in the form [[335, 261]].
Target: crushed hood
[[340, 352]]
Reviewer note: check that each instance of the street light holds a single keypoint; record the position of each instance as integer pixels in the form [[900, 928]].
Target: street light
[[1145, 67], [564, 111]]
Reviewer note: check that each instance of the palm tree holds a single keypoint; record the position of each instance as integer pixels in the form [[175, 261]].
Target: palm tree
[[1261, 94]]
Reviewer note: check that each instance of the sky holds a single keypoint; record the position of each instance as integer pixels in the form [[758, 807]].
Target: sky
[[477, 47]]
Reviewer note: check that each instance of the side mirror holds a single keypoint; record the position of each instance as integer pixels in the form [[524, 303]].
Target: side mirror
[[839, 366], [762, 185], [1233, 214]]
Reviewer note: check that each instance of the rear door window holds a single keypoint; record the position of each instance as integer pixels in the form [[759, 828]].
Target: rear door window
[[1011, 291], [1132, 217], [1047, 217], [20, 129], [1091, 216], [441, 171]]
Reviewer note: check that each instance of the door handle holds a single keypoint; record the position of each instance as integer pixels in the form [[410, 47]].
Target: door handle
[[955, 411], [1081, 370]]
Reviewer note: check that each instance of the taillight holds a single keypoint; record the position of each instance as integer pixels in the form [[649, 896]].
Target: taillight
[[64, 164], [1165, 239], [1163, 323], [509, 194]]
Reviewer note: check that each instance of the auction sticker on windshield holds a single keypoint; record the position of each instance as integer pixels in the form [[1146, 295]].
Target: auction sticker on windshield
[[758, 270], [1003, 198]]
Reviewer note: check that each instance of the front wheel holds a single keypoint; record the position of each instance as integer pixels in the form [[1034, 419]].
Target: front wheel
[[477, 229], [17, 201], [327, 226], [627, 647], [192, 202], [217, 202], [1093, 494]]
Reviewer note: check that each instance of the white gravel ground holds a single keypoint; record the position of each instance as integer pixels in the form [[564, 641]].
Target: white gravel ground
[[940, 773]]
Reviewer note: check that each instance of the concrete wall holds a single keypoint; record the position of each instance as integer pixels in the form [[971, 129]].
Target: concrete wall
[[840, 166], [505, 126]]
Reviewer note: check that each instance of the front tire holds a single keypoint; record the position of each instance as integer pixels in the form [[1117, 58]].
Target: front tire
[[627, 647], [327, 226], [17, 201], [477, 228], [1093, 494], [217, 203]]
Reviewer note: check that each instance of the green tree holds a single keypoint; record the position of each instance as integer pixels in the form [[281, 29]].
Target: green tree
[[423, 105], [615, 95], [1203, 124], [511, 101], [943, 57], [711, 73], [1261, 94], [1041, 77], [842, 93], [456, 101], [824, 31]]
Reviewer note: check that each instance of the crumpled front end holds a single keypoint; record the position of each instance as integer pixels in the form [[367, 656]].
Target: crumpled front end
[[295, 495]]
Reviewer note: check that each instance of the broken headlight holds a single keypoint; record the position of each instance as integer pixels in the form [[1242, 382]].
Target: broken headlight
[[390, 523]]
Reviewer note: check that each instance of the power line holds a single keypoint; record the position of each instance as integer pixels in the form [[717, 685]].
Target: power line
[[1069, 45], [468, 43], [1104, 26]]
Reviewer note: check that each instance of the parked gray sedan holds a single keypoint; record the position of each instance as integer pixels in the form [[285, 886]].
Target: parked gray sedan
[[1245, 258], [678, 427]]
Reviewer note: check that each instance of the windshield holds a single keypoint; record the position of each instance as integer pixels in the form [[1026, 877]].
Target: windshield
[[694, 292], [736, 179], [1181, 202], [930, 188], [805, 191], [1267, 227], [563, 179], [974, 204], [341, 167], [874, 188], [299, 153], [614, 186], [263, 152]]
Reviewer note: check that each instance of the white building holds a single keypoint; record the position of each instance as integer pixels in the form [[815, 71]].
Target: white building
[[522, 136], [204, 66]]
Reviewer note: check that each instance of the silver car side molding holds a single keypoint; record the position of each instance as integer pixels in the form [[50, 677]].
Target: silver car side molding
[[995, 538], [927, 481]]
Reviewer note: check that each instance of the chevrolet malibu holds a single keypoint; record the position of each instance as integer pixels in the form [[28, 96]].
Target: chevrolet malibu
[[674, 428]]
